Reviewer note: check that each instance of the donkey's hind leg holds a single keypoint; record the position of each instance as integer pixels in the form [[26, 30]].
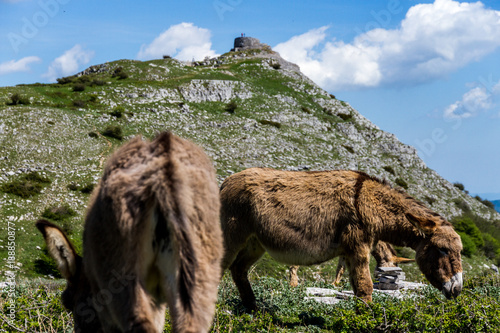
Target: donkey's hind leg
[[340, 271], [239, 271]]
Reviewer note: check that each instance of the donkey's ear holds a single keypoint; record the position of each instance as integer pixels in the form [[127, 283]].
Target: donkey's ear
[[424, 224], [401, 260], [60, 248]]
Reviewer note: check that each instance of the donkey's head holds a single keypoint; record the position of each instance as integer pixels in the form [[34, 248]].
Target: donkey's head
[[438, 256], [77, 297]]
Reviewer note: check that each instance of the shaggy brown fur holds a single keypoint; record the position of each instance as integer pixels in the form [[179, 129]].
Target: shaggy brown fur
[[152, 238], [305, 218], [384, 255]]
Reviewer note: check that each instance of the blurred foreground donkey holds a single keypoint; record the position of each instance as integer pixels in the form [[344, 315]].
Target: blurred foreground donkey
[[152, 238]]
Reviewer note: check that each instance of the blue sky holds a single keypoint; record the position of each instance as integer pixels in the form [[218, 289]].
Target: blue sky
[[427, 71]]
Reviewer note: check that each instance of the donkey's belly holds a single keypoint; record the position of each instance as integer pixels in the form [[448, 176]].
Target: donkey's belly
[[304, 256]]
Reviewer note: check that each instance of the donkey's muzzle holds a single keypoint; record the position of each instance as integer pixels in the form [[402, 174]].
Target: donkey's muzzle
[[453, 287]]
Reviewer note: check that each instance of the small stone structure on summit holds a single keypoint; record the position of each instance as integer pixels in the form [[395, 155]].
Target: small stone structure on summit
[[248, 43]]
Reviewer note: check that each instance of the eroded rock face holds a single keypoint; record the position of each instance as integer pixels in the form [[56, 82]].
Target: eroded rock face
[[198, 91]]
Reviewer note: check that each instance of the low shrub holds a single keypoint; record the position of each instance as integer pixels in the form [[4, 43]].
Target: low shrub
[[270, 122], [61, 215], [276, 65], [120, 73], [117, 70], [389, 169], [402, 183], [122, 76], [57, 94], [491, 247], [231, 107], [118, 111], [345, 116], [466, 225], [78, 103], [93, 135], [113, 131], [87, 188], [58, 213], [93, 98], [469, 248], [97, 82], [78, 87], [26, 186], [485, 202], [462, 204], [430, 200], [17, 99], [489, 231], [85, 79], [306, 109], [349, 149], [45, 264], [66, 80]]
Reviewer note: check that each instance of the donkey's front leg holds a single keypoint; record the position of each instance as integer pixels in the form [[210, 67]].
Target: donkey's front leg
[[359, 274]]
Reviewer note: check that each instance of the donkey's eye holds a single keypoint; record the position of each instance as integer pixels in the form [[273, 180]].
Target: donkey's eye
[[443, 252]]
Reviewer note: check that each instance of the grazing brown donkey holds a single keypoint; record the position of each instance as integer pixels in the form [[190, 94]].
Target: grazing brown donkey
[[305, 218], [384, 255], [152, 238]]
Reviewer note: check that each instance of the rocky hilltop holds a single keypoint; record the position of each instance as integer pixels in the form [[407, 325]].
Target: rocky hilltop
[[245, 108]]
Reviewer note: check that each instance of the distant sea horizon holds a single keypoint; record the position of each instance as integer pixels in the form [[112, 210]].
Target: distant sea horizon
[[488, 196]]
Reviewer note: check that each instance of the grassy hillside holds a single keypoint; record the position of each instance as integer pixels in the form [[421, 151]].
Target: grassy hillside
[[245, 109]]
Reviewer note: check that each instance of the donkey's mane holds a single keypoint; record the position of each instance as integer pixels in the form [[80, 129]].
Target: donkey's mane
[[423, 207], [364, 176], [410, 202]]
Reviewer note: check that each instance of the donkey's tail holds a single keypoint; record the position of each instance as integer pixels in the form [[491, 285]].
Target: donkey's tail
[[168, 194]]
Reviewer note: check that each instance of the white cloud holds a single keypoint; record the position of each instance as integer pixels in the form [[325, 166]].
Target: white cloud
[[432, 41], [183, 41], [69, 63], [21, 65], [476, 100], [473, 102]]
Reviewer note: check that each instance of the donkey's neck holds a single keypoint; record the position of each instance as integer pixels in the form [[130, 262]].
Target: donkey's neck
[[401, 236], [388, 209]]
